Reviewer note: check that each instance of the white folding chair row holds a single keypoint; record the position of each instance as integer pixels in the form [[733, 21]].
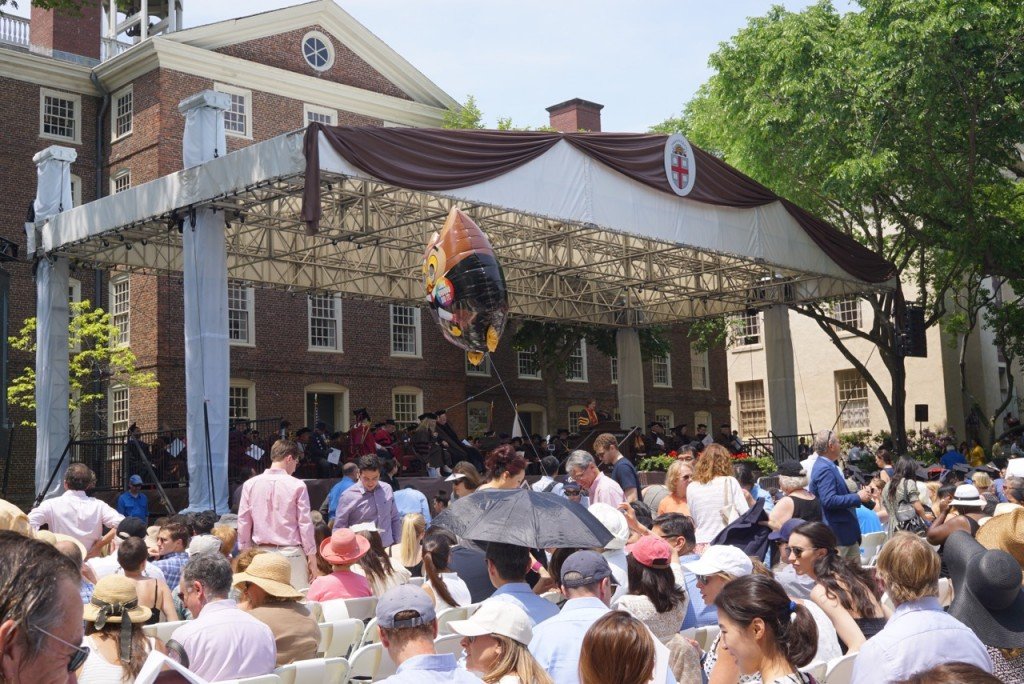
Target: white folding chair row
[[339, 638], [840, 670], [372, 662], [314, 671], [340, 609], [870, 545], [162, 630]]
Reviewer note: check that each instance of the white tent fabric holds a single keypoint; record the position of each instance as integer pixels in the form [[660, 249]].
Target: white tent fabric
[[207, 345], [53, 194]]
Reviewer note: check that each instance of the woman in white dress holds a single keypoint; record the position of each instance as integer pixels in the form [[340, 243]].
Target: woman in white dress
[[113, 633], [447, 589], [714, 495]]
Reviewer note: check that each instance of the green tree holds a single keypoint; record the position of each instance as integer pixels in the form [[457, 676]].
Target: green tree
[[898, 124], [93, 355]]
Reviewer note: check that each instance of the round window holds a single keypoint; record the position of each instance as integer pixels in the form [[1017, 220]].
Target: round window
[[318, 51]]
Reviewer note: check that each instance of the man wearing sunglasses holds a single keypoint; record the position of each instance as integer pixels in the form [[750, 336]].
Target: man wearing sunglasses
[[40, 613]]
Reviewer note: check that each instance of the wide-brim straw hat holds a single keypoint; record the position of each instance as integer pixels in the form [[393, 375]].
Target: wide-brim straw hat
[[14, 519], [112, 598], [272, 573], [987, 594], [52, 538], [344, 547], [1006, 533]]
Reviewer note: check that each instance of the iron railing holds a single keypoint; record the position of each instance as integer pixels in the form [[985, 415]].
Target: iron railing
[[115, 459]]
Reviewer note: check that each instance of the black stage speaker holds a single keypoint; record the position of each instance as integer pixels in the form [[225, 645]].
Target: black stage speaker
[[913, 341], [920, 413]]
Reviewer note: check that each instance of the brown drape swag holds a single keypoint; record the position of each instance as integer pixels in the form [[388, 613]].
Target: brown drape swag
[[432, 160]]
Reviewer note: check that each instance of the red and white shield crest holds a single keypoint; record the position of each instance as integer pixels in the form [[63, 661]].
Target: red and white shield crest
[[680, 168]]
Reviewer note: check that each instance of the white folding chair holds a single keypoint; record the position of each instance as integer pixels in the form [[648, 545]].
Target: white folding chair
[[345, 636], [370, 663], [162, 630], [840, 670], [450, 615], [817, 669], [416, 581], [340, 609], [945, 592], [553, 596], [314, 671], [449, 643], [869, 547], [707, 637], [371, 635], [315, 610]]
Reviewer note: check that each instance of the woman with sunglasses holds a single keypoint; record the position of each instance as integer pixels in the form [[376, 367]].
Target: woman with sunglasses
[[677, 481], [714, 570], [113, 633], [843, 589], [765, 631], [496, 640]]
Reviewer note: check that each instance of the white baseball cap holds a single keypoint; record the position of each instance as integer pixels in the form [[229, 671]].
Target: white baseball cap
[[614, 521], [726, 559], [496, 617]]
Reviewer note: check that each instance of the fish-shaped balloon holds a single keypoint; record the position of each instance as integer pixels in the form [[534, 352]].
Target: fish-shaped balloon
[[465, 286]]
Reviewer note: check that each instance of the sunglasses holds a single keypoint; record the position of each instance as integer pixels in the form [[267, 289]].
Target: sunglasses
[[796, 551], [78, 655], [704, 579]]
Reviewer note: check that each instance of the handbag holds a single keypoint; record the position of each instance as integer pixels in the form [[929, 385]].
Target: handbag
[[907, 519], [729, 511]]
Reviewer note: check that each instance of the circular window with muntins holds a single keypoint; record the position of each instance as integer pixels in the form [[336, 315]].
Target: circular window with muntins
[[318, 51]]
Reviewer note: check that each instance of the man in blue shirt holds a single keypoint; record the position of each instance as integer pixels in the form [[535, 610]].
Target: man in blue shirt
[[606, 448], [506, 566], [952, 456], [586, 583], [408, 627], [410, 500], [837, 503], [677, 529], [920, 634], [134, 503], [350, 473]]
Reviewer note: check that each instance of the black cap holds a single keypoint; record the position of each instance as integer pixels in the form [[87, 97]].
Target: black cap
[[440, 412], [791, 469], [653, 423], [361, 413], [428, 416], [131, 527]]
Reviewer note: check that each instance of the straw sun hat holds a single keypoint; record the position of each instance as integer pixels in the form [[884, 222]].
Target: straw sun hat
[[272, 573], [114, 597]]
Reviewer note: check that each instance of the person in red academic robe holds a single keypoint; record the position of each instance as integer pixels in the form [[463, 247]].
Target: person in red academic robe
[[360, 436]]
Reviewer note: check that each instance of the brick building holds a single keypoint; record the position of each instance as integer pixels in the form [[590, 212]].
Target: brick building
[[116, 103]]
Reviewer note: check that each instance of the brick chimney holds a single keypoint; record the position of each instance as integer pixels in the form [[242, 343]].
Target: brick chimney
[[77, 33], [576, 115]]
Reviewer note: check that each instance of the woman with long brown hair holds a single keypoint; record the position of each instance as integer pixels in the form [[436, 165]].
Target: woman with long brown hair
[[714, 495], [844, 590], [446, 588], [380, 570], [617, 649], [113, 633]]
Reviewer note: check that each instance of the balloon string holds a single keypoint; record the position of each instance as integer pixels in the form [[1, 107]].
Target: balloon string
[[472, 397], [515, 409]]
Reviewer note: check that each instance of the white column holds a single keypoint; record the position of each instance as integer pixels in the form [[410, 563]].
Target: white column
[[144, 23], [781, 394], [207, 351], [53, 424], [631, 378]]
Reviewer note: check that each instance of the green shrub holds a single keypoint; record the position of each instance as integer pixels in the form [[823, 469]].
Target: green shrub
[[658, 463]]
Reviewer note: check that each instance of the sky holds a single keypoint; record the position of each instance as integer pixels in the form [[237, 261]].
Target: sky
[[642, 60]]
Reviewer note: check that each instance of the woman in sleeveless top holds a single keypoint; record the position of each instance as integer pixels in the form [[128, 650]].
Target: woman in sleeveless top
[[796, 502], [153, 593], [844, 590], [113, 633], [902, 489]]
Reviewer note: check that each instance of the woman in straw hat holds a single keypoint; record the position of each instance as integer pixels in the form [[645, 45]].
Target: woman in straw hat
[[113, 633], [496, 640], [342, 550], [266, 586]]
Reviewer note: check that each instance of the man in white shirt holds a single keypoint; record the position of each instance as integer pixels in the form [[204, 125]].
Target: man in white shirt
[[547, 482], [108, 565], [77, 514]]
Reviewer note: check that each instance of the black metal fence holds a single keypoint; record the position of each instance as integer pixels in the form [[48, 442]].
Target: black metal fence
[[780, 447], [115, 459]]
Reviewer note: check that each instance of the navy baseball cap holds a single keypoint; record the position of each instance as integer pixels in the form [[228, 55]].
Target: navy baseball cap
[[782, 534], [584, 568], [403, 598]]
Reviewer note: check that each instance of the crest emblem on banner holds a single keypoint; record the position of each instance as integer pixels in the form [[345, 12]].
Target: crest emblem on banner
[[680, 166]]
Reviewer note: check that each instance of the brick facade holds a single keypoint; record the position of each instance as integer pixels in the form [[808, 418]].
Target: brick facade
[[279, 365]]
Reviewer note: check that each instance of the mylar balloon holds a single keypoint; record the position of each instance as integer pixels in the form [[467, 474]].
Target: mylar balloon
[[465, 286]]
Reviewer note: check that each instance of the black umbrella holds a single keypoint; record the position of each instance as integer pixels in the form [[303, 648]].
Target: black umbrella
[[536, 520]]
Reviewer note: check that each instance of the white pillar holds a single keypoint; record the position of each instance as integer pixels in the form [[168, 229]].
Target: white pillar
[[631, 378], [778, 350], [144, 23], [53, 424], [207, 351]]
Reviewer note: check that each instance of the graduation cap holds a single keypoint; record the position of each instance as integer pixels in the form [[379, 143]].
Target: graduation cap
[[440, 412], [987, 468], [427, 416], [653, 423], [361, 414]]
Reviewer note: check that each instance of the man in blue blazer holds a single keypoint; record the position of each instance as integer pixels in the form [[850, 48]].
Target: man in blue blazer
[[838, 505]]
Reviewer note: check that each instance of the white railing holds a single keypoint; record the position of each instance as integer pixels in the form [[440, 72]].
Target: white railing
[[13, 30], [110, 48]]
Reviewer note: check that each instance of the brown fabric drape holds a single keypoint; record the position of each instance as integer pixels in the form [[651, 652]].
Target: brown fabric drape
[[438, 159]]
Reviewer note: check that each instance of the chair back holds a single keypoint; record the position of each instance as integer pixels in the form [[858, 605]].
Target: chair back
[[345, 636], [162, 630], [371, 663], [371, 635], [817, 669], [450, 615], [339, 609], [314, 671], [869, 547], [449, 643], [840, 670]]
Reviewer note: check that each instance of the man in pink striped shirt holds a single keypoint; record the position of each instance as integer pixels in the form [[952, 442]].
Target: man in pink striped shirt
[[274, 513]]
